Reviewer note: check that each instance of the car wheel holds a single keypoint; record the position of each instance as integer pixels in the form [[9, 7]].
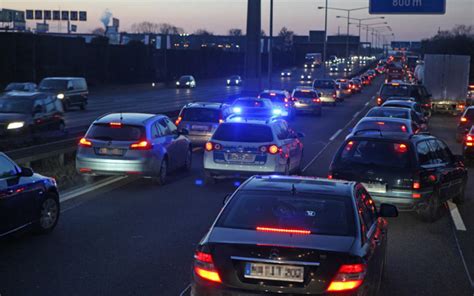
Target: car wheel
[[430, 211], [49, 214], [460, 198], [189, 160], [163, 173]]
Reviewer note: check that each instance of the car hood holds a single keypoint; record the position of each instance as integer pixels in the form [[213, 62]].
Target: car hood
[[10, 117]]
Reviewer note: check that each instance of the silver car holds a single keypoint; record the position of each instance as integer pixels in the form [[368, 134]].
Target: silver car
[[242, 147], [146, 145], [201, 120], [384, 126]]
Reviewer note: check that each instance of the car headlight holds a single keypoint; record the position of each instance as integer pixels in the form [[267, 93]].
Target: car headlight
[[306, 66], [60, 96], [228, 81], [309, 76], [288, 73], [237, 82], [177, 82], [237, 110], [282, 74], [302, 76], [187, 82], [15, 125], [276, 111]]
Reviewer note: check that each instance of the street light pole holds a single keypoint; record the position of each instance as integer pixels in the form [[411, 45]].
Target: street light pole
[[270, 47], [325, 37], [347, 36]]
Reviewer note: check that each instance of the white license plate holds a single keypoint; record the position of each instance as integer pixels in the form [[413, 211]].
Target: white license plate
[[244, 157], [375, 187], [111, 151], [276, 272], [199, 127]]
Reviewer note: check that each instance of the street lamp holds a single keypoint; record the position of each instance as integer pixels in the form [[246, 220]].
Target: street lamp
[[348, 18], [360, 23], [367, 30]]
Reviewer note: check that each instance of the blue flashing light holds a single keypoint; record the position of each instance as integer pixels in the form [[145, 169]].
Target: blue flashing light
[[237, 110], [276, 111], [236, 183], [199, 182]]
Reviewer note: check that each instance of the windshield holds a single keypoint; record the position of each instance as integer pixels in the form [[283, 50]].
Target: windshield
[[105, 132], [389, 112], [243, 132], [16, 105], [54, 84], [395, 90], [316, 212], [201, 115], [15, 86], [324, 84], [383, 126], [305, 94], [375, 153], [184, 79]]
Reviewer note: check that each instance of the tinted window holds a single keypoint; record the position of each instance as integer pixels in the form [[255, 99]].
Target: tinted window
[[242, 132], [7, 168], [105, 132], [388, 112], [164, 128], [155, 130], [281, 130], [53, 84], [424, 153], [324, 84], [16, 105], [383, 126], [375, 153], [201, 115], [304, 94], [171, 127], [395, 90], [49, 105], [79, 84], [318, 213], [440, 154]]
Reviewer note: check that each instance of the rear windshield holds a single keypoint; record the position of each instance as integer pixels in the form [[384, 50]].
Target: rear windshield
[[54, 84], [395, 90], [388, 112], [383, 126], [273, 96], [318, 213], [324, 84], [305, 94], [250, 103], [372, 153], [201, 115], [243, 132], [105, 132]]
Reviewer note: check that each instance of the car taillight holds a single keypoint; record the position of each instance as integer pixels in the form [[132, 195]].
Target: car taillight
[[463, 119], [334, 95], [317, 100], [400, 148], [283, 230], [204, 267], [83, 142], [379, 101], [330, 177], [349, 145], [469, 140], [274, 149], [348, 277], [212, 146], [178, 120], [142, 145]]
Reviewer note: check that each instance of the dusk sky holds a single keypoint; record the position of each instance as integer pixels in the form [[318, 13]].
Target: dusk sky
[[219, 16]]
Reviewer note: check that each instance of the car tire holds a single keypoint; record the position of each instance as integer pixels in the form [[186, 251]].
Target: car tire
[[430, 212], [188, 163], [162, 173], [49, 212], [460, 198]]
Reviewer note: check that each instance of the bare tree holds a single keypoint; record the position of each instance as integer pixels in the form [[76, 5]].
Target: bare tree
[[235, 32], [287, 36], [203, 32], [98, 31], [166, 28], [154, 28]]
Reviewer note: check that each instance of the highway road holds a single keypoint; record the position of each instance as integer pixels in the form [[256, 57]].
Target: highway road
[[136, 238]]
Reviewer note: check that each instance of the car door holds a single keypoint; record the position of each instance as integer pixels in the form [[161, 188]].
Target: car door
[[17, 197], [168, 140], [40, 119], [451, 175], [443, 172], [51, 121], [180, 142], [373, 239], [458, 171]]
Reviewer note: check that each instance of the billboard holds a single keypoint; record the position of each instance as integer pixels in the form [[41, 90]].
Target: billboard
[[407, 7]]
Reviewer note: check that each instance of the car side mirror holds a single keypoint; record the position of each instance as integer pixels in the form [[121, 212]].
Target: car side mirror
[[388, 211], [26, 172], [226, 198]]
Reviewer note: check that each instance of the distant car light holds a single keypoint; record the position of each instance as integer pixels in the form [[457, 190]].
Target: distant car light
[[60, 96], [228, 81], [15, 125], [177, 82]]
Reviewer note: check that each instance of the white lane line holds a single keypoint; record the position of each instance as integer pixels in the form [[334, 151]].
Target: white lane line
[[86, 189], [356, 114], [185, 290], [456, 216], [335, 135]]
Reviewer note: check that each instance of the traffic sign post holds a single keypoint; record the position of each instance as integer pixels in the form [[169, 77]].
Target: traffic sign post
[[407, 6]]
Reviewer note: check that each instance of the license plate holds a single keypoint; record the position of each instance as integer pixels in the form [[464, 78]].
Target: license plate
[[244, 157], [111, 151], [199, 127], [375, 187], [276, 272]]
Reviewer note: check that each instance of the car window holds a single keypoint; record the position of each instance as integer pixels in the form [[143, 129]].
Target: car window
[[469, 114], [282, 131], [70, 84], [155, 130], [39, 103], [171, 125], [163, 125], [243, 132], [389, 112], [17, 105], [125, 132], [324, 84], [316, 212], [383, 126], [441, 155], [201, 115], [304, 94], [49, 105], [424, 153], [394, 90], [7, 168]]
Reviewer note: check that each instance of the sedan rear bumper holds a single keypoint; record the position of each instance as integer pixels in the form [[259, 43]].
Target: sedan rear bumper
[[107, 167]]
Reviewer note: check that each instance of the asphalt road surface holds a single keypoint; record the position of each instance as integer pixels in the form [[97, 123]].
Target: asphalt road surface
[[137, 238]]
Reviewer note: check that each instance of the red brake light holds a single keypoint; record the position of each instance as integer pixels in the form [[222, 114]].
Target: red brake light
[[330, 176], [380, 123], [463, 119], [403, 128], [115, 124], [283, 230], [85, 143], [203, 257], [349, 145], [273, 149], [178, 120], [469, 141], [379, 101], [316, 100], [142, 145], [400, 148], [348, 277], [204, 267]]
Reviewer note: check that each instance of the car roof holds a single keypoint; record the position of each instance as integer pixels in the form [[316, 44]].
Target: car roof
[[252, 99], [23, 94], [390, 108], [209, 105], [128, 118], [276, 91], [387, 119], [399, 102], [300, 184], [63, 78]]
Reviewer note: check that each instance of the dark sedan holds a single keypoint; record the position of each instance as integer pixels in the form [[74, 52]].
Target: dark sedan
[[294, 235]]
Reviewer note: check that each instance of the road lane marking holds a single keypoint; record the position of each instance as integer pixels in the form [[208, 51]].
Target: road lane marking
[[185, 290], [456, 216], [335, 135], [86, 189], [356, 114]]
